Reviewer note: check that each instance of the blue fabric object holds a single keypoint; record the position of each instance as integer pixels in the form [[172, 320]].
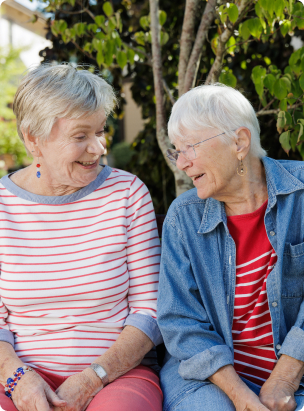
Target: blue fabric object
[[147, 325], [195, 395], [197, 278], [7, 336]]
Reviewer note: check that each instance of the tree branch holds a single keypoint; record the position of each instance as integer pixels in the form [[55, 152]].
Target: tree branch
[[216, 68], [182, 182], [71, 12], [82, 51], [276, 110], [161, 134], [87, 10], [196, 53], [187, 38], [168, 91]]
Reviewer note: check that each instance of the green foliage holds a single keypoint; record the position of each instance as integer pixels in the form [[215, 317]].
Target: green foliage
[[286, 91], [259, 59], [228, 78], [107, 8], [122, 154], [11, 69], [228, 11]]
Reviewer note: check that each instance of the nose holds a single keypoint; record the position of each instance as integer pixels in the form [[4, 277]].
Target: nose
[[96, 146], [182, 162]]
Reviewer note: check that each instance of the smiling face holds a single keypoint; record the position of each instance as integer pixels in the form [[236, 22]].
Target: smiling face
[[213, 171], [70, 156]]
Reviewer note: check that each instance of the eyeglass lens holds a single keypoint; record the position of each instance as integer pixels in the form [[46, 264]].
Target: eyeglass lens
[[189, 154]]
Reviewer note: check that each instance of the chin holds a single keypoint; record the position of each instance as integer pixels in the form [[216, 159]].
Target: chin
[[203, 194]]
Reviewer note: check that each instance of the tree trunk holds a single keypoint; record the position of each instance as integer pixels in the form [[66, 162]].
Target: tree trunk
[[186, 41], [182, 181], [195, 57]]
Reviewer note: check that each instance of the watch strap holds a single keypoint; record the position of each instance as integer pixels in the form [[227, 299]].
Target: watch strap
[[100, 372]]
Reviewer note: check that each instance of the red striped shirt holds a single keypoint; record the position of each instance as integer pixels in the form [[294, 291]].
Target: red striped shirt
[[254, 355], [70, 274]]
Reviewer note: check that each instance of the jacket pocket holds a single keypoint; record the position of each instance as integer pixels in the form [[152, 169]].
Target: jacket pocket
[[293, 271], [292, 282]]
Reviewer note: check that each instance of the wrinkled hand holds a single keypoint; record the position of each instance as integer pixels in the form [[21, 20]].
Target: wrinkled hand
[[32, 393], [278, 395], [246, 400], [78, 391]]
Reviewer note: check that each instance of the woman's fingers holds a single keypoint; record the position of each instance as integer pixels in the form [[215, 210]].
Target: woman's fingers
[[53, 398], [250, 402], [256, 406], [35, 402], [41, 404], [32, 393]]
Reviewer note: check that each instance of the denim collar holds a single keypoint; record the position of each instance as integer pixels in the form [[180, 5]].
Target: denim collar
[[279, 182]]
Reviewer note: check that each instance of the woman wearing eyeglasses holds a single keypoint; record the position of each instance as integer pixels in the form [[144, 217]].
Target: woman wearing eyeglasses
[[230, 305]]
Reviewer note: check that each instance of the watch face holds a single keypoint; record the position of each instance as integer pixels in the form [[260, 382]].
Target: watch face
[[100, 371]]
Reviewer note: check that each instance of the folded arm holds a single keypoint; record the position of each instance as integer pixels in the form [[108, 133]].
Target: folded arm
[[184, 323], [126, 353]]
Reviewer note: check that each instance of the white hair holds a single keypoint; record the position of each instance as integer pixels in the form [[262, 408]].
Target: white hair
[[49, 92], [215, 106]]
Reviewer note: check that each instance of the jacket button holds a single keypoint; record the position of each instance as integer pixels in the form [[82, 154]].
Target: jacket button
[[272, 233], [278, 347], [274, 304]]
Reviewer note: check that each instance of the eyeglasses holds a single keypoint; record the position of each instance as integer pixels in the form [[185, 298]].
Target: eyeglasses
[[189, 153]]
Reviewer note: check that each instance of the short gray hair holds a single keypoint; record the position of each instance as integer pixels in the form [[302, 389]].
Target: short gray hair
[[215, 106], [49, 92]]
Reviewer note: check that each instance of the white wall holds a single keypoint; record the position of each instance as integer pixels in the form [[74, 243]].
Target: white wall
[[20, 37]]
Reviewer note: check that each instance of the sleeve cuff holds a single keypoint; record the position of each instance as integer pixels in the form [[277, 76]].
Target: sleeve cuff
[[201, 366], [293, 344], [7, 336], [147, 325]]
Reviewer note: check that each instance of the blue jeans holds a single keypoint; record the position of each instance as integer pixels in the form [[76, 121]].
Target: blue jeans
[[194, 395]]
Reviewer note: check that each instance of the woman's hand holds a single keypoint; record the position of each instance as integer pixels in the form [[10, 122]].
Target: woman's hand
[[79, 390], [242, 397], [278, 395], [247, 401], [32, 393]]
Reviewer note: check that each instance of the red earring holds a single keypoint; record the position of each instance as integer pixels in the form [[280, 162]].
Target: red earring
[[38, 174]]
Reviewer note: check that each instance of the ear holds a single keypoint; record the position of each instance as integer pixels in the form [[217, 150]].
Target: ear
[[243, 142], [31, 143]]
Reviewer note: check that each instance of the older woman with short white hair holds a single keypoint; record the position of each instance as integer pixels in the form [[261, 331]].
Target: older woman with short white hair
[[79, 259], [230, 305]]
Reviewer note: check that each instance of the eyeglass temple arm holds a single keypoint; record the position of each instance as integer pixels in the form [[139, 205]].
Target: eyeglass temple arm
[[207, 139]]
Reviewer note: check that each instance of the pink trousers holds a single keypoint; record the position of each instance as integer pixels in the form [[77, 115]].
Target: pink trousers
[[137, 390]]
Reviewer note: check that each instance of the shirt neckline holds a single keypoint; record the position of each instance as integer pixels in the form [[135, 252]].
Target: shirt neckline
[[260, 210], [69, 198]]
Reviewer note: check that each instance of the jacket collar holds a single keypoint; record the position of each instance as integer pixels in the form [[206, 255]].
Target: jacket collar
[[279, 182]]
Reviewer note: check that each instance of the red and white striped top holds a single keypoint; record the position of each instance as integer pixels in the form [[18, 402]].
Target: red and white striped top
[[254, 355], [75, 268]]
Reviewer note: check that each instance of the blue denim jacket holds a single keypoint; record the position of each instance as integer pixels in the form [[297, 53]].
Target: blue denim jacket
[[197, 279]]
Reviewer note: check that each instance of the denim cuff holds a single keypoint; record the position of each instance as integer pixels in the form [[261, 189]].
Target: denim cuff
[[201, 366], [293, 344], [7, 336], [147, 325]]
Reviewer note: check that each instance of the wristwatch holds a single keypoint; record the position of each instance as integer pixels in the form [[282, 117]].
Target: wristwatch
[[100, 372]]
